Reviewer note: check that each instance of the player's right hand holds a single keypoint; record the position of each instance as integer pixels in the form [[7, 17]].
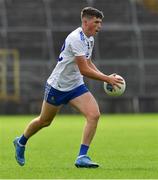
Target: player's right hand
[[114, 81]]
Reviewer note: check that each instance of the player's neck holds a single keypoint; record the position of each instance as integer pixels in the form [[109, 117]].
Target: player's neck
[[86, 32]]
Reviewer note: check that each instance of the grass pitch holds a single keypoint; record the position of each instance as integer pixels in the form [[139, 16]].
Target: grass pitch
[[126, 146]]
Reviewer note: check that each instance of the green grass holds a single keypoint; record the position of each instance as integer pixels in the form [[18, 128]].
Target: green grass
[[126, 146]]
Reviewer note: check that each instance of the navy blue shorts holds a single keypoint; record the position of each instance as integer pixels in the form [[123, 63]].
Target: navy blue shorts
[[56, 97]]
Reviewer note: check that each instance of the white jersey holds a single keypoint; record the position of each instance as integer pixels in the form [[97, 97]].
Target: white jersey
[[66, 75]]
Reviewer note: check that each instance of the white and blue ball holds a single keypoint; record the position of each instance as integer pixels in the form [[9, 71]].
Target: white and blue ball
[[117, 91]]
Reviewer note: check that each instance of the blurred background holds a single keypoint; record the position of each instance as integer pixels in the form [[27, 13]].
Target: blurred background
[[32, 33]]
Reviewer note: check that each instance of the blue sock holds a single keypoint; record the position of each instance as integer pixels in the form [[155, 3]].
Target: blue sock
[[83, 149], [23, 140]]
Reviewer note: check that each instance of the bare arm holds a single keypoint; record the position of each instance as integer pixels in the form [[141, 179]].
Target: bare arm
[[92, 65], [88, 69]]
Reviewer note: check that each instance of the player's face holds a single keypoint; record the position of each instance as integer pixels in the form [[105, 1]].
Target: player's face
[[94, 25]]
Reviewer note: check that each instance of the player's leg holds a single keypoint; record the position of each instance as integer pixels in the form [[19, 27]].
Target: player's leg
[[48, 113], [88, 106]]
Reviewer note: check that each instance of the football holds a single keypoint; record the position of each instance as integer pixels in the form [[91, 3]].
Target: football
[[117, 91]]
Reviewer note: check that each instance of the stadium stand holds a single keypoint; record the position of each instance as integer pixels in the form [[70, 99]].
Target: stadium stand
[[26, 13], [119, 45], [127, 45], [114, 11], [66, 14]]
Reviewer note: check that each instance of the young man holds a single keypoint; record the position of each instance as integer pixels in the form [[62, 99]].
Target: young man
[[65, 85]]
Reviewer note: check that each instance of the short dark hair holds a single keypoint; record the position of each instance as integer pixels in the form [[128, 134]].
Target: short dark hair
[[91, 12]]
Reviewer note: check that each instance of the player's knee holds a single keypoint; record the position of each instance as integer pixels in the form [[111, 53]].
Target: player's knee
[[93, 116], [44, 123], [97, 116]]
